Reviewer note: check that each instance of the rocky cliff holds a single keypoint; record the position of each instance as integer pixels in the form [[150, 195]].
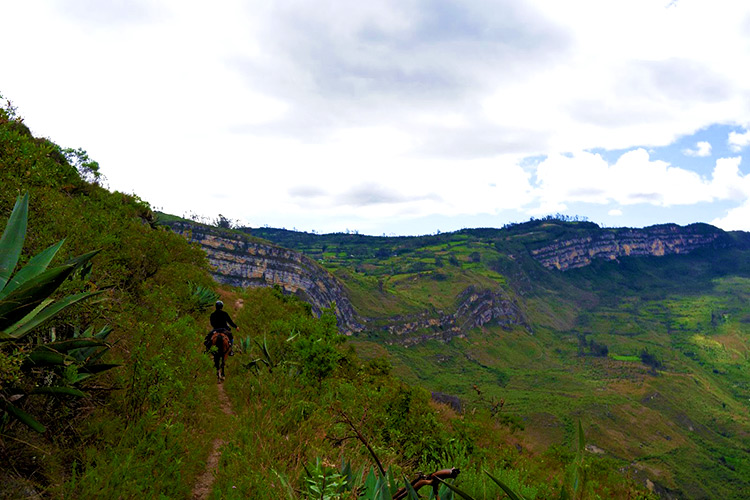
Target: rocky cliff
[[571, 253], [476, 307], [242, 261], [238, 260]]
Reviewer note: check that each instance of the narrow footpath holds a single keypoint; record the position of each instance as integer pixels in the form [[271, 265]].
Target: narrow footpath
[[205, 481]]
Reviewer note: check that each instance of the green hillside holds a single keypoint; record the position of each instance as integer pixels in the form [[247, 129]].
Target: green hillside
[[667, 406], [112, 397], [651, 353]]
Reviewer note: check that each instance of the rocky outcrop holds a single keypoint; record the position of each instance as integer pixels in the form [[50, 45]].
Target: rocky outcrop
[[476, 308], [571, 253], [238, 260]]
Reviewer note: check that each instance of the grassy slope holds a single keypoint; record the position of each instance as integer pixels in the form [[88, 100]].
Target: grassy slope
[[148, 431], [687, 425], [136, 436]]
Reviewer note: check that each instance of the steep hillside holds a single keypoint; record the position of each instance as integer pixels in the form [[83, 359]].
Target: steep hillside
[[113, 397], [245, 262], [641, 333]]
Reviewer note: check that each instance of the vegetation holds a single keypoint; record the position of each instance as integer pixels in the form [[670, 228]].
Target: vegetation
[[649, 352], [312, 409], [63, 431], [54, 368]]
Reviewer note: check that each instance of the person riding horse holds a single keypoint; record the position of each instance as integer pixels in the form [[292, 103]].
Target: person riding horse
[[220, 321]]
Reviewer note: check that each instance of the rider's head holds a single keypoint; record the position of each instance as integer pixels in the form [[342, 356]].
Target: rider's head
[[219, 304]]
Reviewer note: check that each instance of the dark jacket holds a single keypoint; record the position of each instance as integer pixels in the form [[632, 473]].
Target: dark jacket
[[220, 319]]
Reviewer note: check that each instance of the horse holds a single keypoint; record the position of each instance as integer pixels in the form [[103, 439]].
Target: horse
[[221, 340]]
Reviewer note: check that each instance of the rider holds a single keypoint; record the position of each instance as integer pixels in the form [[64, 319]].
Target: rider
[[220, 321]]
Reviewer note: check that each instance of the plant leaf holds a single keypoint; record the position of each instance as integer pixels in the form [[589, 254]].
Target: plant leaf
[[98, 368], [23, 321], [24, 417], [412, 493], [31, 293], [508, 491], [11, 242], [59, 391], [18, 332], [46, 357], [73, 344], [89, 354], [455, 490], [36, 266]]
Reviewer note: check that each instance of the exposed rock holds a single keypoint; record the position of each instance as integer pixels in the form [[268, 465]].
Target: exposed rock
[[565, 254], [476, 308], [238, 260], [242, 261], [447, 399], [592, 448]]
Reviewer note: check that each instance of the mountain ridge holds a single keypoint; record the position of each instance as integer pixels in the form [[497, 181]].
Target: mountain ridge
[[251, 257]]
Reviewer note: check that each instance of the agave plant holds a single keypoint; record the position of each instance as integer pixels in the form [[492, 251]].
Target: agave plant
[[201, 298], [26, 303]]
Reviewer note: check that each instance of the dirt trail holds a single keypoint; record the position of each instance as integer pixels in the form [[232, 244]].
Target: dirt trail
[[202, 487]]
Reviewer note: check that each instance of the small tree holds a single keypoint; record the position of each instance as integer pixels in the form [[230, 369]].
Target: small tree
[[650, 360]]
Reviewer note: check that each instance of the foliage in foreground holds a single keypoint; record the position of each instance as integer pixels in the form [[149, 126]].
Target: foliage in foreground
[[133, 429], [55, 369]]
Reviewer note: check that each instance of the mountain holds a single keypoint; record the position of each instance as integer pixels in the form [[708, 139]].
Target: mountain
[[643, 334]]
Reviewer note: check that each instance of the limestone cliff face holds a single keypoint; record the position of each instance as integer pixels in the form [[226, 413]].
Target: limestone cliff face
[[477, 307], [565, 254], [239, 261]]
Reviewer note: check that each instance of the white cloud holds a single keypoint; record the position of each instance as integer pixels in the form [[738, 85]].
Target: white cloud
[[615, 212], [738, 141], [727, 181], [736, 219], [702, 148], [384, 110], [635, 179]]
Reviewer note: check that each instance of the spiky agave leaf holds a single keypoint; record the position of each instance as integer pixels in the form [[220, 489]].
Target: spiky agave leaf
[[67, 346], [36, 266], [507, 489], [44, 311], [102, 367], [11, 241], [411, 492], [22, 416], [455, 490], [28, 295], [46, 357], [59, 391]]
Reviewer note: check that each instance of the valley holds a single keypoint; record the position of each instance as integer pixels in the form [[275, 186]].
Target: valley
[[555, 319]]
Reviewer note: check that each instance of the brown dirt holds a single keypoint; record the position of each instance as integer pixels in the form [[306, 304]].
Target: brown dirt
[[202, 488]]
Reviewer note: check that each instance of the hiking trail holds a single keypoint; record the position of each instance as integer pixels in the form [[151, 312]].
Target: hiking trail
[[202, 488]]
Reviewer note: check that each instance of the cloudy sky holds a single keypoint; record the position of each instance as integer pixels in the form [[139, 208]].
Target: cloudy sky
[[397, 117]]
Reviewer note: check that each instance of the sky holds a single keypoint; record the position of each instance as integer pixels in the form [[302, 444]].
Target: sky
[[397, 117]]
